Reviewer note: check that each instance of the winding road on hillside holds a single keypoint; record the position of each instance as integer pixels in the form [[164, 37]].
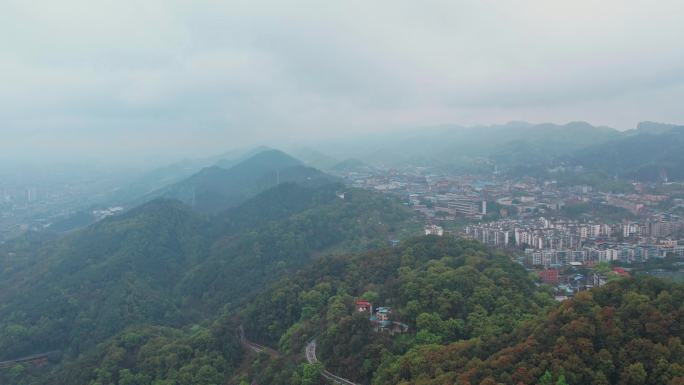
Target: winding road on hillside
[[253, 346], [311, 358], [36, 360], [310, 354]]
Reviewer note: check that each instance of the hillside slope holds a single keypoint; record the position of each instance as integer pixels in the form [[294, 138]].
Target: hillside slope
[[444, 290], [160, 177], [164, 264], [650, 153], [214, 189], [628, 332]]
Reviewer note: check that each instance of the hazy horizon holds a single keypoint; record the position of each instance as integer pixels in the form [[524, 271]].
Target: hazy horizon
[[131, 83]]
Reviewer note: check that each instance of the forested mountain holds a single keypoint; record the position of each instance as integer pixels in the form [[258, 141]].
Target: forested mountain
[[653, 152], [92, 284], [214, 189], [155, 296], [156, 183], [629, 332], [164, 264], [474, 317], [445, 290], [204, 354], [161, 177]]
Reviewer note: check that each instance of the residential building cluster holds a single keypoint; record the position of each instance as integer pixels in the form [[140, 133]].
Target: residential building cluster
[[544, 223], [572, 279], [38, 202], [444, 197], [557, 242]]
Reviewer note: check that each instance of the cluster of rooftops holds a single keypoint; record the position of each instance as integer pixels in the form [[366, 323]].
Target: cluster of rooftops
[[381, 317]]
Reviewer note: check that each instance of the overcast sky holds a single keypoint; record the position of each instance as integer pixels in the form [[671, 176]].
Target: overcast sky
[[188, 77]]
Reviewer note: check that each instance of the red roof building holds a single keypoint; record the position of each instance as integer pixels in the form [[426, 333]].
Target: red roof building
[[363, 306], [549, 276]]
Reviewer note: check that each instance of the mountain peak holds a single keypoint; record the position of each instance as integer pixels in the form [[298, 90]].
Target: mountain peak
[[648, 127], [214, 189], [272, 158]]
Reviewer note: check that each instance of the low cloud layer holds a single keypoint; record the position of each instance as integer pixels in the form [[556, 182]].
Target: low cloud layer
[[99, 78]]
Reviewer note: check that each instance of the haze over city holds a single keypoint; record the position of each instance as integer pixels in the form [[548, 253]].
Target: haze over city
[[267, 192], [156, 81]]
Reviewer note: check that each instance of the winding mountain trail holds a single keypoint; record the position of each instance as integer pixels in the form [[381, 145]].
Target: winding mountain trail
[[253, 346], [36, 360], [311, 358], [310, 353]]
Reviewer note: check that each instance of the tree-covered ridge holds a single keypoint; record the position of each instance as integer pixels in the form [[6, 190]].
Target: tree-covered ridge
[[91, 284], [163, 264], [240, 262], [445, 290], [475, 317], [214, 189], [146, 355], [628, 332]]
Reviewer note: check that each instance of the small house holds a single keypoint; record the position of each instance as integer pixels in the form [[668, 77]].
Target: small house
[[363, 306]]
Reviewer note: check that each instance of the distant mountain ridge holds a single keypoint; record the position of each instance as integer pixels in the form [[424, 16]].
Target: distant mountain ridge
[[475, 147], [157, 178], [350, 164], [649, 152], [656, 128], [214, 188], [222, 182], [652, 152]]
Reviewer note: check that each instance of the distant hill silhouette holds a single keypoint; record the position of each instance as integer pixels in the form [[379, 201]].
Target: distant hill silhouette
[[652, 152], [350, 164], [214, 189], [160, 177], [510, 146]]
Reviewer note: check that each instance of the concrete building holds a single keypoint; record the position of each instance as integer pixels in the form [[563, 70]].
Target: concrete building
[[434, 230]]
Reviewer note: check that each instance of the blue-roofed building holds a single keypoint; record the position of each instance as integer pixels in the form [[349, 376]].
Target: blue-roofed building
[[382, 321]]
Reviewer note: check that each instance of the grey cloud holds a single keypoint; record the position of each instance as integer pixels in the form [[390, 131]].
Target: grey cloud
[[189, 77]]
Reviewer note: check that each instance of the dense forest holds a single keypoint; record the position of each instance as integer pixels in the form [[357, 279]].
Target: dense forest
[[445, 290], [475, 318], [164, 265], [144, 355], [628, 332]]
